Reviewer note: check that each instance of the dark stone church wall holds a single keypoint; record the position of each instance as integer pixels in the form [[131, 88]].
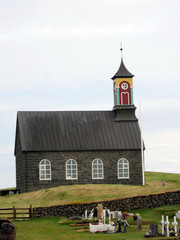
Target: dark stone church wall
[[124, 204], [20, 166], [84, 161]]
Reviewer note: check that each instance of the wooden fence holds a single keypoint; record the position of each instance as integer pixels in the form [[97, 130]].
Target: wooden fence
[[16, 213]]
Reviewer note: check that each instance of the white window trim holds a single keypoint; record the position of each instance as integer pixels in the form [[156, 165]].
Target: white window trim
[[71, 170], [44, 179], [102, 169], [122, 168]]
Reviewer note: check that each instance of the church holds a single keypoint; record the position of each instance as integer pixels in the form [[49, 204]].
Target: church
[[54, 148]]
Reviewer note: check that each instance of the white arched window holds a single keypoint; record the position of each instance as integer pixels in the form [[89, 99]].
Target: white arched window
[[71, 169], [97, 169], [45, 170], [123, 168]]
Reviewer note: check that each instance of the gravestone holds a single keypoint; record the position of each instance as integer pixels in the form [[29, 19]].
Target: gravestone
[[86, 214], [125, 224], [139, 223], [175, 223], [154, 229], [110, 214], [100, 213], [162, 225], [91, 214], [167, 226], [119, 225], [116, 215], [104, 216], [178, 215]]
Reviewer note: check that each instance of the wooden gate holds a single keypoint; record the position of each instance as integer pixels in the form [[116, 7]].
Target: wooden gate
[[16, 213]]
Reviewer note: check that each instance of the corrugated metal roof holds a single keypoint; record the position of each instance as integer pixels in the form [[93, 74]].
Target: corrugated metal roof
[[76, 131], [122, 72]]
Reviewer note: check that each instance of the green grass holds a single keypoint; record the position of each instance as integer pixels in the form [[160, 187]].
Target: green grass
[[92, 192], [59, 228]]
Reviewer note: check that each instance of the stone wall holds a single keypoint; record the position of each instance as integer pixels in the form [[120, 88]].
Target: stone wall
[[124, 204], [31, 160], [21, 165]]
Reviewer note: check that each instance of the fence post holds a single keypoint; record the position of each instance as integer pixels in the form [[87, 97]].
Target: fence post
[[30, 211], [14, 212]]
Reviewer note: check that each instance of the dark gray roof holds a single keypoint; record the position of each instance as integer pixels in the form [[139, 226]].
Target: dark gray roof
[[122, 72], [76, 131]]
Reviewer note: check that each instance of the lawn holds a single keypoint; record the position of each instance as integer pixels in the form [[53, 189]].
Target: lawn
[[92, 192], [59, 228]]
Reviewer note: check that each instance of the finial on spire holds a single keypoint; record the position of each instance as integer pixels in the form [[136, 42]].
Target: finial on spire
[[121, 49], [122, 71]]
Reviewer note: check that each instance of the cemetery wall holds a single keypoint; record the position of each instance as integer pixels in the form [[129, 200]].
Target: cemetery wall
[[124, 204]]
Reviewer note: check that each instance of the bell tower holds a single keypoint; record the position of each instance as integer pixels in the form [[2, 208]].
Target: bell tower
[[123, 86], [123, 94]]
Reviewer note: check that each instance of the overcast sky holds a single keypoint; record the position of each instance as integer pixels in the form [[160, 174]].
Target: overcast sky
[[61, 55]]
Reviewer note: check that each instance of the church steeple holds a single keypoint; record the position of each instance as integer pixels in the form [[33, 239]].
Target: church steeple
[[123, 94], [122, 72], [123, 86]]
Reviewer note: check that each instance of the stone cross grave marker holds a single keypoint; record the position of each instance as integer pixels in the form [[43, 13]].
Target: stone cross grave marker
[[175, 223], [167, 226], [162, 225], [91, 214]]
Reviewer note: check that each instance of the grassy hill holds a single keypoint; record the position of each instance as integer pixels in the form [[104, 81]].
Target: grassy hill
[[93, 192]]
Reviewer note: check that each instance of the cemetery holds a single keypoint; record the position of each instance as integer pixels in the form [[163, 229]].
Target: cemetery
[[151, 224], [112, 222]]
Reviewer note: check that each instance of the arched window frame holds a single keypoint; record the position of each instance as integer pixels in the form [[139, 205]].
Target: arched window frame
[[45, 169], [71, 169], [97, 166], [123, 168]]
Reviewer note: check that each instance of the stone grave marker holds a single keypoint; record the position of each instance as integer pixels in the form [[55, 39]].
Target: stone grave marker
[[154, 229], [175, 223], [91, 214], [162, 225], [125, 224], [139, 223], [178, 215], [167, 226], [119, 225], [85, 216], [100, 213]]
